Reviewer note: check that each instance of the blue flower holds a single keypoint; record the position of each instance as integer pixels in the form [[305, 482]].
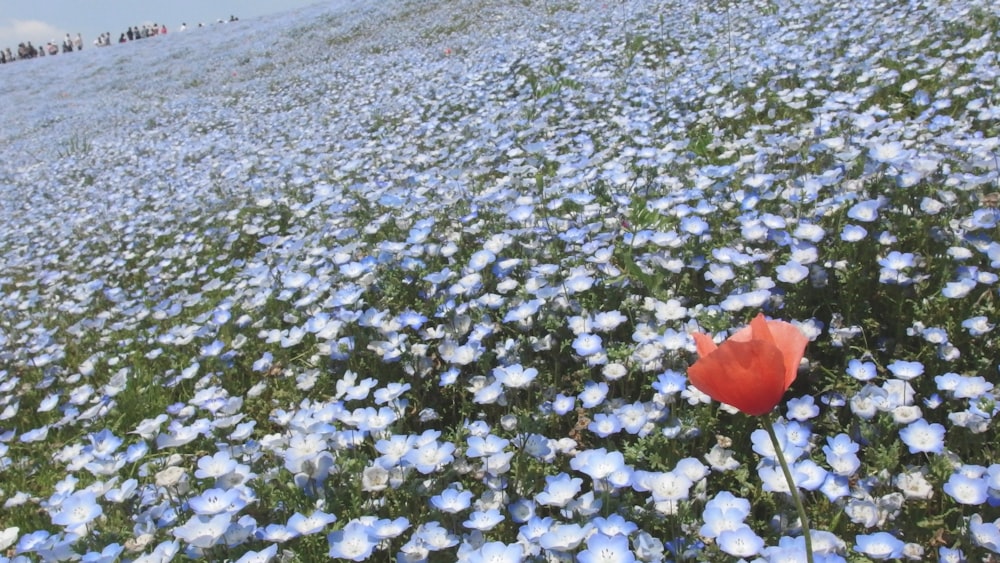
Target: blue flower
[[77, 511], [485, 447], [588, 344], [355, 542], [853, 233], [792, 272], [302, 525], [906, 370], [484, 520], [559, 490], [564, 537], [605, 425], [865, 211], [593, 394], [562, 404], [214, 501], [923, 437], [515, 376], [495, 552], [977, 326], [985, 534], [802, 408], [965, 489], [741, 541], [452, 500], [879, 546], [958, 289], [203, 531], [602, 548]]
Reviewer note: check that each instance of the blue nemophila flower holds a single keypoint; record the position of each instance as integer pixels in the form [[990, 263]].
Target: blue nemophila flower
[[634, 418], [559, 490], [480, 260], [562, 404], [879, 546], [862, 371], [355, 542], [958, 289], [853, 233], [604, 425], [694, 225], [428, 457], [719, 273], [103, 443], [664, 486], [434, 537], [203, 531], [487, 393], [895, 266], [275, 533], [386, 528], [523, 311], [534, 528], [588, 345], [593, 394], [792, 272], [598, 464], [215, 501], [841, 454], [865, 211], [740, 542], [971, 387], [109, 554], [452, 500], [923, 437], [494, 552], [564, 537], [615, 524], [763, 446], [802, 408], [77, 511], [485, 446], [906, 370], [315, 523], [515, 376], [985, 534], [810, 232], [390, 393], [670, 383], [483, 520], [967, 489], [603, 548], [977, 326], [263, 556], [718, 519]]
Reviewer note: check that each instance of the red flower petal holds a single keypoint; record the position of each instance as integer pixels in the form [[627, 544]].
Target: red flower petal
[[753, 368], [704, 344], [747, 375]]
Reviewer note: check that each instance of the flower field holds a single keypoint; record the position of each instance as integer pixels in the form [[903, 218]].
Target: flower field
[[419, 281]]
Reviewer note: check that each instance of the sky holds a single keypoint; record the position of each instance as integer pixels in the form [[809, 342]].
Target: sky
[[41, 21]]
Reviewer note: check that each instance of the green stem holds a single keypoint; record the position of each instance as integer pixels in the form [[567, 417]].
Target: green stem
[[794, 490]]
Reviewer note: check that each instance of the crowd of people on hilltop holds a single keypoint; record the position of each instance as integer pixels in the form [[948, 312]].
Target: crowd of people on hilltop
[[29, 51]]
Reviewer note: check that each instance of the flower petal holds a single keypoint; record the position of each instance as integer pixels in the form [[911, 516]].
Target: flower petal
[[792, 343], [704, 344], [747, 375]]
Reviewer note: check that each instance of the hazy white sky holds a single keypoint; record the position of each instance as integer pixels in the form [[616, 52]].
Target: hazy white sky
[[41, 21]]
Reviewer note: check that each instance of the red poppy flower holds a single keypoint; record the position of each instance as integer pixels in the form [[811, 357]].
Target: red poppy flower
[[753, 368]]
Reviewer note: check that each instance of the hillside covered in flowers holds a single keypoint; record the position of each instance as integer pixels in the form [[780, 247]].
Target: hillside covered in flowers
[[417, 281]]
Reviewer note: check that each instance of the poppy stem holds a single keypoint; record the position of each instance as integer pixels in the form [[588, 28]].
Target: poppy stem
[[794, 490]]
